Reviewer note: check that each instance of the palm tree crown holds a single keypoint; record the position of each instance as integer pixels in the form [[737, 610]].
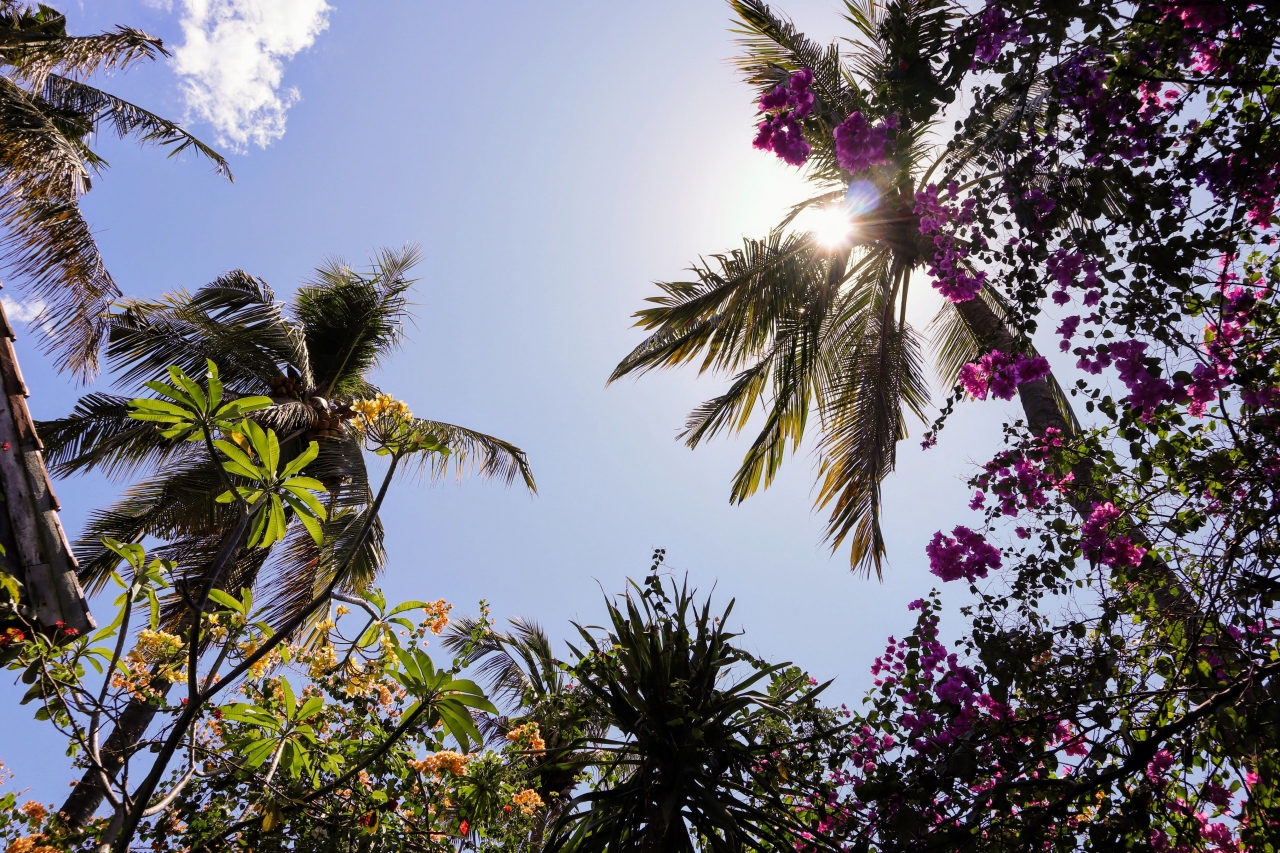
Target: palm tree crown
[[313, 357], [811, 329], [48, 116]]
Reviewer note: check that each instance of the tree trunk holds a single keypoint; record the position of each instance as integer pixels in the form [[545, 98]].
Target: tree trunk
[[88, 793], [1042, 410]]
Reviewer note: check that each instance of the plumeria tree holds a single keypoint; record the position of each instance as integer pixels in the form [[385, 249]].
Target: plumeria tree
[[314, 357], [241, 752]]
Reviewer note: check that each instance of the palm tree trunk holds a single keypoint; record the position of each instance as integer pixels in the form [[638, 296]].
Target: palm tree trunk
[[88, 794], [1043, 411]]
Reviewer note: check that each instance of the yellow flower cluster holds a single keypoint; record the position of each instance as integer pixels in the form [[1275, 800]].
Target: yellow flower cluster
[[30, 845], [369, 412], [158, 645], [156, 651], [357, 680], [528, 801], [265, 664], [444, 760], [322, 661], [437, 615], [35, 812], [529, 734]]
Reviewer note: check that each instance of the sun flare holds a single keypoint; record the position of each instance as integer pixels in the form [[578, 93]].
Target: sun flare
[[831, 226]]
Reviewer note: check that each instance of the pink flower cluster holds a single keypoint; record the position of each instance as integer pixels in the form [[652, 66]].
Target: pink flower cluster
[[1252, 182], [1063, 266], [1000, 375], [779, 131], [947, 267], [859, 146], [1199, 15], [995, 30], [938, 675], [1095, 538], [1021, 477], [1148, 390], [964, 554]]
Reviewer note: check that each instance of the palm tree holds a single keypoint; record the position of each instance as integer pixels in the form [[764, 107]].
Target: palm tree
[[49, 116], [524, 676], [313, 357], [809, 329]]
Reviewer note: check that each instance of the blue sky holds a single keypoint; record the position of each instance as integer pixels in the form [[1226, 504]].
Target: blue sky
[[553, 159]]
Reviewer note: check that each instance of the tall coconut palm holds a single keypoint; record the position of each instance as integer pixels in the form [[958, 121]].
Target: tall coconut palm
[[313, 357], [810, 329]]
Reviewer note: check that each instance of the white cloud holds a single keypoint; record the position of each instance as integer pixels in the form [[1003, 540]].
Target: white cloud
[[21, 312], [232, 63]]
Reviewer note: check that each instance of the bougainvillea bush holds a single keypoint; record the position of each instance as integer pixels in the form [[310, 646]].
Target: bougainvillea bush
[[1100, 226], [1116, 685]]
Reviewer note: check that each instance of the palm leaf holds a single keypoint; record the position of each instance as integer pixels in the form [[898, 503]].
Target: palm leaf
[[474, 452], [351, 322]]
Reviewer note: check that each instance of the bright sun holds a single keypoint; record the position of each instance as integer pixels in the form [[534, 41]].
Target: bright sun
[[831, 226]]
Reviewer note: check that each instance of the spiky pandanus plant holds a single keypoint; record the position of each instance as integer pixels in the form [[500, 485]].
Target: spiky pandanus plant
[[698, 737], [314, 357], [813, 330]]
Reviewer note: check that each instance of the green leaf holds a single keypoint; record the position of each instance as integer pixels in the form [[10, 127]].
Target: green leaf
[[288, 700], [227, 601], [237, 457], [312, 706], [303, 460]]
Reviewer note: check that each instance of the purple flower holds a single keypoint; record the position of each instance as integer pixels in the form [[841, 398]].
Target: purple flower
[[859, 146], [779, 131], [999, 375], [782, 135], [1217, 795], [994, 32], [968, 555], [801, 99], [1159, 766], [1146, 389], [1068, 330], [775, 100], [1099, 545]]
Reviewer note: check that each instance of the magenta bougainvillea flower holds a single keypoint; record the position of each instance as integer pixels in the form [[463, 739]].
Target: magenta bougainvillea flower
[[859, 145], [779, 131]]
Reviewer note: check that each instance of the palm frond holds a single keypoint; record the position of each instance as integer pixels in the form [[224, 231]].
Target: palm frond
[[235, 321], [474, 452], [299, 570], [729, 314], [47, 245], [352, 321], [877, 374], [171, 509], [34, 43], [126, 120], [99, 435]]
